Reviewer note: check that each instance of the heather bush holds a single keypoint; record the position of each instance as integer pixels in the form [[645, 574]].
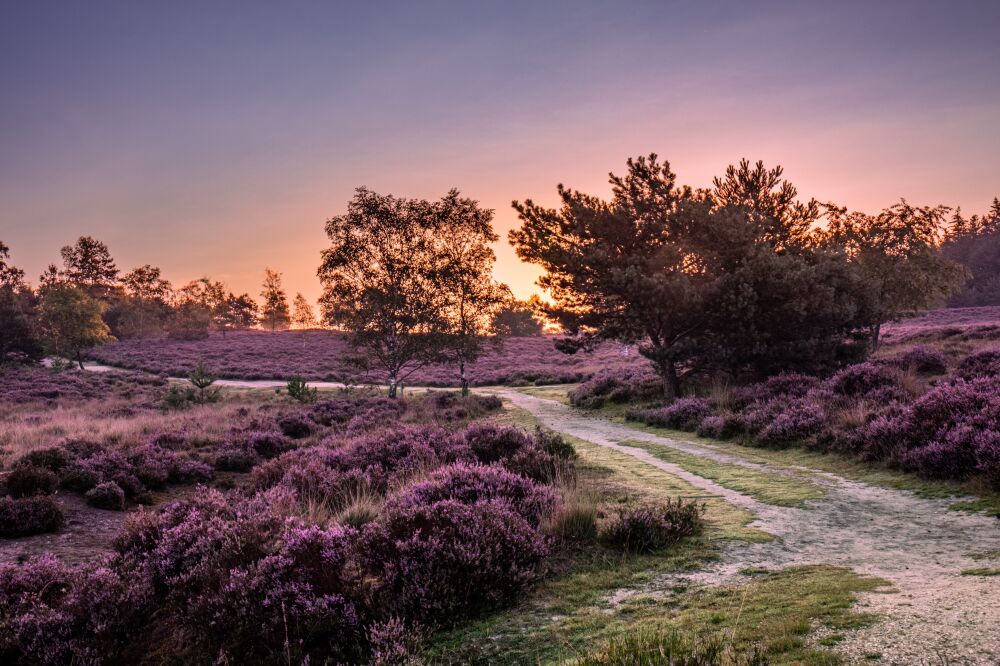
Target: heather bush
[[52, 613], [720, 426], [392, 456], [682, 414], [234, 459], [862, 379], [646, 528], [617, 386], [491, 443], [786, 385], [24, 481], [922, 360], [78, 479], [798, 422], [553, 443], [295, 603], [54, 459], [294, 426], [107, 495], [985, 363], [470, 484], [25, 516], [448, 559], [267, 444]]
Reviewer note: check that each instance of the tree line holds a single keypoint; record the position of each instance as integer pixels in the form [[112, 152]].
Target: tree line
[[974, 242], [741, 280], [89, 301]]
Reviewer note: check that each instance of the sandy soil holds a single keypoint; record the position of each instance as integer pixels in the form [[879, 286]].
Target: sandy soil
[[933, 614]]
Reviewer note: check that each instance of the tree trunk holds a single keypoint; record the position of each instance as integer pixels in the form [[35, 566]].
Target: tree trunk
[[671, 382], [465, 381], [876, 331], [79, 358], [393, 382]]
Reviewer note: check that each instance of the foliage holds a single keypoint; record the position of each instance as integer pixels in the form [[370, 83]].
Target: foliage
[[24, 516], [706, 281], [274, 312], [71, 321], [620, 385], [302, 313], [647, 528], [88, 265], [518, 318], [18, 341], [975, 244], [299, 391], [107, 495], [26, 481]]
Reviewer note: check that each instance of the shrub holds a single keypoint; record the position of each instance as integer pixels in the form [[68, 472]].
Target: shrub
[[492, 443], [392, 456], [299, 391], [26, 516], [235, 460], [682, 414], [53, 458], [27, 481], [796, 423], [52, 613], [643, 529], [268, 444], [294, 426], [553, 443], [985, 363], [720, 426], [78, 479], [923, 360], [470, 484], [107, 495], [446, 559], [291, 604], [617, 386], [861, 379]]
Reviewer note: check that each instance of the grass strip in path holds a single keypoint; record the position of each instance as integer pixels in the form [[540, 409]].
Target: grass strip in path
[[769, 488]]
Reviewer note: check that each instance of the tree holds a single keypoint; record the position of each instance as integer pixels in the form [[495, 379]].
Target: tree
[[622, 269], [196, 308], [70, 321], [705, 281], [236, 313], [302, 313], [274, 311], [378, 279], [470, 297], [17, 337], [145, 305], [975, 243], [518, 319], [896, 253], [88, 264]]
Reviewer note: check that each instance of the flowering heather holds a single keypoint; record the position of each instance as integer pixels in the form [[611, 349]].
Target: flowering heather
[[448, 559], [474, 483], [25, 481], [922, 360], [107, 495], [324, 355], [682, 414], [25, 516], [25, 384], [630, 384]]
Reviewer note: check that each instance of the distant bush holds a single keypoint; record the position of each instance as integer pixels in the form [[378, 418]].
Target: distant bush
[[923, 360], [235, 459], [107, 495], [617, 386], [294, 426], [53, 458], [26, 481], [25, 516], [682, 414], [647, 528], [267, 444], [985, 363]]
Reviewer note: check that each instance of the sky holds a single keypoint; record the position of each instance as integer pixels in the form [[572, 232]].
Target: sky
[[215, 138]]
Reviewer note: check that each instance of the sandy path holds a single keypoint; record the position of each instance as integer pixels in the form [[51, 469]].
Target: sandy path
[[934, 615]]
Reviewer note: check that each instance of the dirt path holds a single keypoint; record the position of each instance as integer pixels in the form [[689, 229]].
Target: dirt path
[[934, 615]]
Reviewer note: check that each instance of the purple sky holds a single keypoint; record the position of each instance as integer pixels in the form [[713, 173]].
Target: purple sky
[[215, 138]]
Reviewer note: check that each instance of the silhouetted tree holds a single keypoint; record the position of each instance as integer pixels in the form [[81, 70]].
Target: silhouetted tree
[[88, 265], [274, 311], [975, 243], [518, 319], [470, 297], [302, 313], [896, 253], [196, 309], [17, 338], [623, 269], [70, 321], [144, 307], [379, 278], [236, 313]]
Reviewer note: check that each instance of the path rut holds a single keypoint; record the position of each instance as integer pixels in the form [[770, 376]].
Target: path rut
[[933, 614]]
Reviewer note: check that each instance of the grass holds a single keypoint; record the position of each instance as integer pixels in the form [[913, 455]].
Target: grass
[[981, 571], [766, 487], [596, 595], [557, 392], [974, 497], [774, 612]]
